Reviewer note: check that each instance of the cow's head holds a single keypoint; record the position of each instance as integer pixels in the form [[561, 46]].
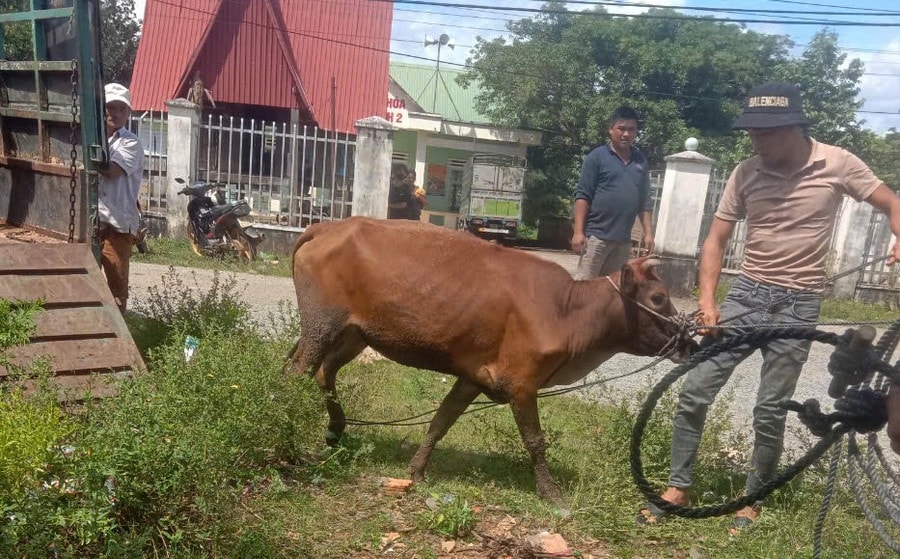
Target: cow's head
[[652, 322]]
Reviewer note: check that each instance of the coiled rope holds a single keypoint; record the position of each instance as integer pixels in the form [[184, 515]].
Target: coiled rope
[[853, 414]]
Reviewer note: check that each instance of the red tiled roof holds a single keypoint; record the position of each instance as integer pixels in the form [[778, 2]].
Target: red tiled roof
[[327, 57]]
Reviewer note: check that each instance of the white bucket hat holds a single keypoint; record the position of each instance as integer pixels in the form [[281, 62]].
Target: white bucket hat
[[117, 92]]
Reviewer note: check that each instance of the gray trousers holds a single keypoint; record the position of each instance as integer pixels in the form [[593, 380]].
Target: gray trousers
[[601, 258], [782, 362]]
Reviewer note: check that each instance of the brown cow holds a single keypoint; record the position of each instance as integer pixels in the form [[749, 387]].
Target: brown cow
[[504, 322]]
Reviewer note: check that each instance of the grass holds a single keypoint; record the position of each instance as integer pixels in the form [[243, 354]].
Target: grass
[[170, 252], [221, 456], [855, 311]]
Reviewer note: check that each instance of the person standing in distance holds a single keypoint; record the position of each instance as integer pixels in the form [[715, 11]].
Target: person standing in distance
[[120, 184], [613, 190], [788, 194]]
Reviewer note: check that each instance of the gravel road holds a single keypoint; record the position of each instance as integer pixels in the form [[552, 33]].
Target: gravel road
[[264, 293]]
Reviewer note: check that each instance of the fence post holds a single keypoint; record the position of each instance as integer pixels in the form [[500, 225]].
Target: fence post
[[680, 217], [372, 167], [851, 233], [183, 141]]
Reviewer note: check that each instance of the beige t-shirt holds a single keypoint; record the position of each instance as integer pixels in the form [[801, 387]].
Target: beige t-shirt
[[790, 220]]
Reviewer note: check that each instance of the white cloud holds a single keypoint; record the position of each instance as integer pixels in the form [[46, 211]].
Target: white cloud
[[880, 85], [626, 9]]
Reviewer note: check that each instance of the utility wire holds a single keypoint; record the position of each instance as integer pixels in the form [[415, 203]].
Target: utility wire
[[430, 60], [825, 22], [754, 11]]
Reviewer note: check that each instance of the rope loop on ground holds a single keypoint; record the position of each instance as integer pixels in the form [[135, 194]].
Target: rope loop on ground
[[850, 411]]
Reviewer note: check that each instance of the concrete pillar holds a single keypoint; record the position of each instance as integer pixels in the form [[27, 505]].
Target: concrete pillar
[[681, 207], [372, 167], [183, 142], [850, 232], [421, 154]]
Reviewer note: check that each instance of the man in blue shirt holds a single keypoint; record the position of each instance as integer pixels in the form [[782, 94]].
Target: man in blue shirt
[[613, 190]]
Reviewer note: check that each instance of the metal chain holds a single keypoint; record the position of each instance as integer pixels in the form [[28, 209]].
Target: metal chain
[[73, 139]]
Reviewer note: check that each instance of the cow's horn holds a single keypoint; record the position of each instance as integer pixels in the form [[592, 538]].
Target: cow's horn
[[652, 261]]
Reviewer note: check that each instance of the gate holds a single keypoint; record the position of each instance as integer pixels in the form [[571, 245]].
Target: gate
[[152, 129], [734, 252], [292, 175], [878, 243]]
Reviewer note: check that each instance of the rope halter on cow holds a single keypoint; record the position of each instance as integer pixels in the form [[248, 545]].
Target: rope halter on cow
[[683, 321]]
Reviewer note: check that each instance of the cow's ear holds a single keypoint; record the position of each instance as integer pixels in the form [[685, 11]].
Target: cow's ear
[[627, 281]]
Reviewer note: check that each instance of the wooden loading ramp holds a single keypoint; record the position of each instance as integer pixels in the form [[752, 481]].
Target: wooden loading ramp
[[80, 331]]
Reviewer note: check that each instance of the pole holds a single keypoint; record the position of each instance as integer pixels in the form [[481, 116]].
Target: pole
[[437, 75]]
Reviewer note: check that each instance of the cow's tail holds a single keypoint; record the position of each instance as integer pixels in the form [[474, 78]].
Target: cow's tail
[[308, 234], [290, 361]]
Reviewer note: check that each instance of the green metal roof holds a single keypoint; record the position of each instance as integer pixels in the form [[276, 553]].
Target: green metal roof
[[450, 100]]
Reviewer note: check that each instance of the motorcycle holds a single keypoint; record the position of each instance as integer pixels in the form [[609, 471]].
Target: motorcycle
[[214, 227]]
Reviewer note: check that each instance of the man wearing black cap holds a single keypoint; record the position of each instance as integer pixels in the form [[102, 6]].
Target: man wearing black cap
[[789, 194]]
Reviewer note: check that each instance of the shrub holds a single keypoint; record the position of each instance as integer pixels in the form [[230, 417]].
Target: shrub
[[179, 306], [160, 466], [30, 430], [180, 442], [16, 322], [449, 516]]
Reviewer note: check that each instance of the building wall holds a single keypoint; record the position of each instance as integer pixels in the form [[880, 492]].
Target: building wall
[[405, 142], [443, 174]]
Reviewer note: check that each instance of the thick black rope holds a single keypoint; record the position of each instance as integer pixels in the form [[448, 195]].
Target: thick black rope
[[826, 500], [755, 339], [847, 360]]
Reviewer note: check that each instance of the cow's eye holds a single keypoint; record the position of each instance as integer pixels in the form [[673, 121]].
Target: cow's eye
[[658, 299]]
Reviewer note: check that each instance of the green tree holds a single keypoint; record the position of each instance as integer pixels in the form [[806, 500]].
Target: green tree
[[16, 36], [880, 153], [119, 36], [564, 72], [830, 89]]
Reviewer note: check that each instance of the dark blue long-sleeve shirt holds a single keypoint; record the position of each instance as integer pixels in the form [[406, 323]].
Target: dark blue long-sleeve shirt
[[616, 192]]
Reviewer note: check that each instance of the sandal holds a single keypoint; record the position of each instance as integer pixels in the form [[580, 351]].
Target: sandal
[[651, 514], [742, 522]]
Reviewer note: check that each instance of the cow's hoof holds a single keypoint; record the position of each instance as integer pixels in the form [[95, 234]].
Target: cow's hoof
[[332, 438], [416, 477], [552, 494]]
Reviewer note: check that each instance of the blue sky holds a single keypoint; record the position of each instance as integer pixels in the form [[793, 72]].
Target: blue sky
[[877, 47]]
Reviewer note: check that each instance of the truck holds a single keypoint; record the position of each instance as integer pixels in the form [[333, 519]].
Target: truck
[[53, 143], [491, 196]]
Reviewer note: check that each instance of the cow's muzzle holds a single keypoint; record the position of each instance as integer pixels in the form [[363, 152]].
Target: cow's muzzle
[[682, 344]]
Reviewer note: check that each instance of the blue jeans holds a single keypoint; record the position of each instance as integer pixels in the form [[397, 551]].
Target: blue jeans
[[782, 362]]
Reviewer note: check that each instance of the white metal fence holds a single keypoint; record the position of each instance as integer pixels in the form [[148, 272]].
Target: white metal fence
[[656, 188], [152, 129], [878, 244], [291, 175], [734, 252]]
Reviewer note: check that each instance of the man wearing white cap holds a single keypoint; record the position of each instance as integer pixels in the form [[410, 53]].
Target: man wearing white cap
[[120, 183]]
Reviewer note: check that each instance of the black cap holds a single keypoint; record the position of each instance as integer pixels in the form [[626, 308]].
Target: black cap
[[772, 105]]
